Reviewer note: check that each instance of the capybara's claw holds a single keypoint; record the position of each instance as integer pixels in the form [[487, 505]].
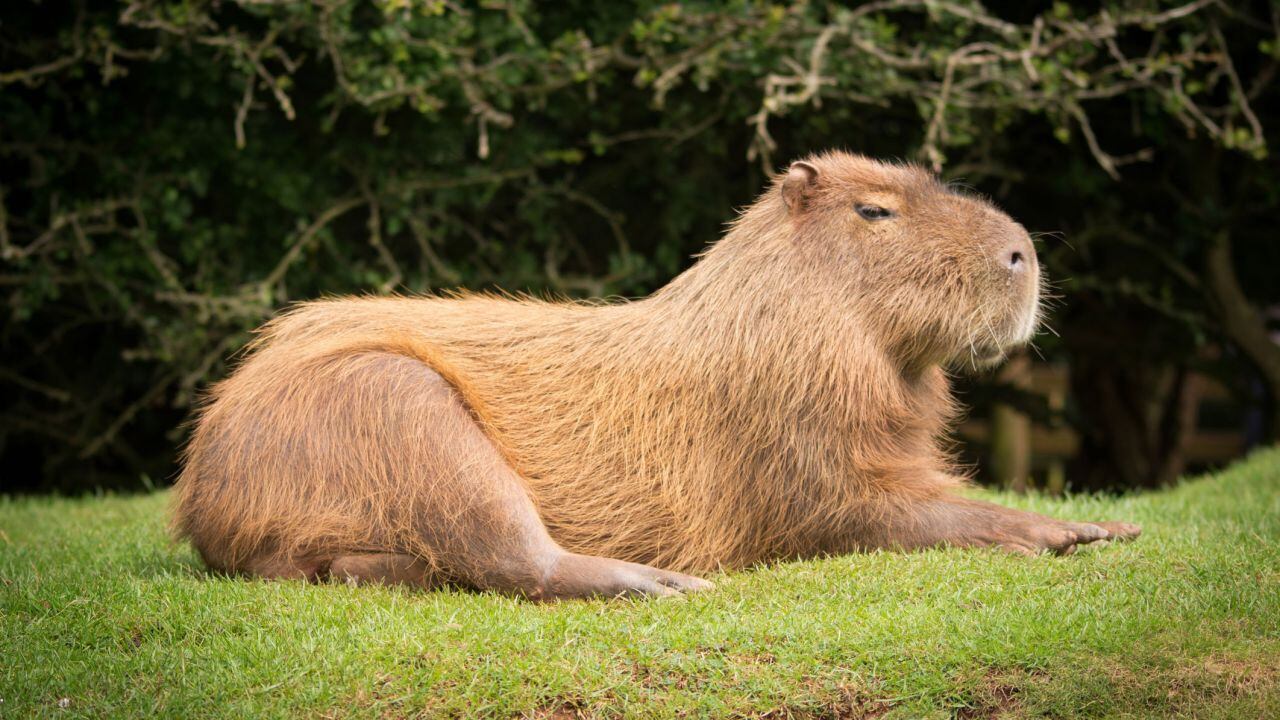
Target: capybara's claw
[[1120, 530]]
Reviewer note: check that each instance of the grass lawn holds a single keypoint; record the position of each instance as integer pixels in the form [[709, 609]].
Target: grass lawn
[[101, 615]]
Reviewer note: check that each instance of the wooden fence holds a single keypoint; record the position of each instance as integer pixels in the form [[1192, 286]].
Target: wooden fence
[[1017, 448]]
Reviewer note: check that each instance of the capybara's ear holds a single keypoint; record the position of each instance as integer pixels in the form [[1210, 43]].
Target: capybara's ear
[[797, 186]]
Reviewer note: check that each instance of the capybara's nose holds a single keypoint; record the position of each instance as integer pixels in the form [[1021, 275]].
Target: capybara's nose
[[1015, 260], [1018, 256]]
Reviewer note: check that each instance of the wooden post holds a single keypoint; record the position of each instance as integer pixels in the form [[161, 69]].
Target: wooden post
[[1055, 482], [1011, 431]]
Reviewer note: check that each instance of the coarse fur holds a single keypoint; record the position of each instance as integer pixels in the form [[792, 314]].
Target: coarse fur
[[784, 397]]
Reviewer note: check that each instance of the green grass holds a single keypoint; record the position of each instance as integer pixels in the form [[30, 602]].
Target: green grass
[[101, 615]]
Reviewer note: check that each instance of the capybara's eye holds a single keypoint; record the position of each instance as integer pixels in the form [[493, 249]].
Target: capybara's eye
[[874, 212]]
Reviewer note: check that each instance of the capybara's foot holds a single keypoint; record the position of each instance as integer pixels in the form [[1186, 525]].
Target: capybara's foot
[[1119, 531], [273, 567], [1031, 534], [581, 576], [382, 569], [961, 522]]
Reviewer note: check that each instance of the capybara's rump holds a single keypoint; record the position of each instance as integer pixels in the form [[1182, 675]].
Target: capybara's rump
[[293, 467]]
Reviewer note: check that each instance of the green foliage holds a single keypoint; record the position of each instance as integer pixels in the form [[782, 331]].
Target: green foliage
[[101, 612], [174, 171]]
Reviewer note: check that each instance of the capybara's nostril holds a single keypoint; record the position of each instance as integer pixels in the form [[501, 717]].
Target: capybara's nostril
[[1017, 256]]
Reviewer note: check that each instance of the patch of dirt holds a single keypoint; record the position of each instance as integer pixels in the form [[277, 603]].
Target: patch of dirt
[[1242, 677], [1213, 680], [857, 705], [851, 703], [998, 694], [565, 710], [997, 701]]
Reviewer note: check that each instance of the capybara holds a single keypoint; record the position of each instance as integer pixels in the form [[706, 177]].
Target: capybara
[[785, 397]]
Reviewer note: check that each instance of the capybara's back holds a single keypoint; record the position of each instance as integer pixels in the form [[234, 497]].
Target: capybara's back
[[781, 398]]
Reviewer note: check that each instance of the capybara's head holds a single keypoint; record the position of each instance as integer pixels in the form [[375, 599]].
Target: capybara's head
[[941, 276]]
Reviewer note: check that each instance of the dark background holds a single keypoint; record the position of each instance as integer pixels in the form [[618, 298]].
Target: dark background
[[172, 173]]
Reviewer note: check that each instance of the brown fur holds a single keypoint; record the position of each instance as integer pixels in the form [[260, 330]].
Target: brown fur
[[784, 397]]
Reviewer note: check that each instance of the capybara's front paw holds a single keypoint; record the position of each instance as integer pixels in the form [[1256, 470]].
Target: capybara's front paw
[[1120, 531], [1036, 535], [581, 576]]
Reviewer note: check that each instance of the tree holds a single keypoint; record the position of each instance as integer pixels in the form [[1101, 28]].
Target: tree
[[176, 170]]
